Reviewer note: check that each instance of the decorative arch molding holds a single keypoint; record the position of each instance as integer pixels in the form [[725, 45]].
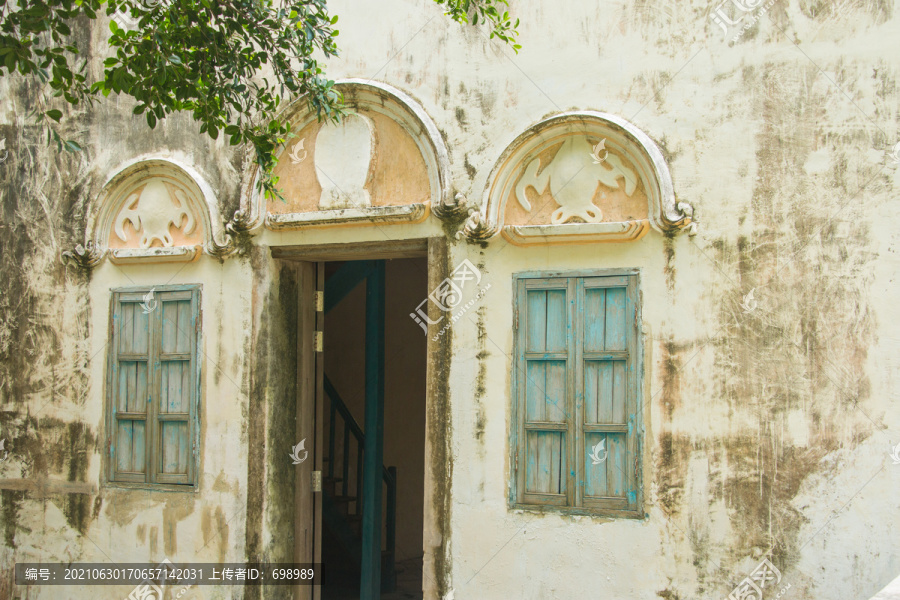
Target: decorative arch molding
[[578, 177], [152, 210], [400, 165]]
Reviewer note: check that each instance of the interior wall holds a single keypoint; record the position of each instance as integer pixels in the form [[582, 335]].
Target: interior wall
[[404, 413]]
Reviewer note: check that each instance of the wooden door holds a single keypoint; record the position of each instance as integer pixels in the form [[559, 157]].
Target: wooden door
[[307, 502]]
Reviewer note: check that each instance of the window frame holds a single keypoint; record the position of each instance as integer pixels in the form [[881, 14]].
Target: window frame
[[574, 502], [152, 478]]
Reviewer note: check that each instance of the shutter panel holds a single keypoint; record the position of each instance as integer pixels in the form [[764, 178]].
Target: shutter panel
[[129, 388], [576, 412], [153, 386], [606, 368], [545, 437], [173, 410]]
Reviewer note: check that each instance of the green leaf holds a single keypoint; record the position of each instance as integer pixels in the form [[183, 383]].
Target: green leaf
[[54, 114]]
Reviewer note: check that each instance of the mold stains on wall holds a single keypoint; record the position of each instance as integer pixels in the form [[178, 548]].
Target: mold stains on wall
[[671, 364], [669, 268], [10, 505], [49, 448], [255, 416], [43, 308], [271, 414], [671, 471], [123, 506], [280, 426], [154, 541], [440, 430], [177, 508], [820, 11], [668, 594], [471, 171], [481, 378], [215, 528], [801, 345], [760, 476], [461, 118]]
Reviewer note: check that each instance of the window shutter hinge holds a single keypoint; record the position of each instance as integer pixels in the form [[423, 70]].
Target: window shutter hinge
[[316, 481], [320, 301], [319, 342]]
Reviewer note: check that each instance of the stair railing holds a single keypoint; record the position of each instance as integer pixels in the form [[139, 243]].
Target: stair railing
[[388, 475]]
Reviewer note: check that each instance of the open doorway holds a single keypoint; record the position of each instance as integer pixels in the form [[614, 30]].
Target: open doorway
[[348, 331]]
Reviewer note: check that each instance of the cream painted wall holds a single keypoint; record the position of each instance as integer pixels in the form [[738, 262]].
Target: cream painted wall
[[767, 433]]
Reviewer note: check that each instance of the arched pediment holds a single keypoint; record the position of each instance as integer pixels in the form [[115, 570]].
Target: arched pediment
[[151, 210], [385, 162], [578, 177]]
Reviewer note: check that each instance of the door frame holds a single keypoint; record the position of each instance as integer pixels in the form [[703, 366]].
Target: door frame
[[436, 564]]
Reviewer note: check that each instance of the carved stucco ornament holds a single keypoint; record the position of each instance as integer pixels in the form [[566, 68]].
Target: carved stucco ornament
[[84, 257], [151, 210], [597, 177], [384, 163], [347, 148], [477, 229], [452, 210], [239, 226], [572, 176]]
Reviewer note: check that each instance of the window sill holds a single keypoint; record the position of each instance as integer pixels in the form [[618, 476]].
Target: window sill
[[579, 512], [151, 487]]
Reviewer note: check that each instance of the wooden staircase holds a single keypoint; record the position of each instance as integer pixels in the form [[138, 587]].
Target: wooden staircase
[[342, 503]]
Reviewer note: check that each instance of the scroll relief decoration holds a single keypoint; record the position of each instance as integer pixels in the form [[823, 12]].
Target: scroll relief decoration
[[573, 176], [578, 177], [152, 212]]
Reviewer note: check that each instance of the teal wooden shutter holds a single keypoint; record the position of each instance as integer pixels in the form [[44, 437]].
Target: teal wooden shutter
[[606, 379], [175, 365], [129, 384], [545, 427], [154, 386]]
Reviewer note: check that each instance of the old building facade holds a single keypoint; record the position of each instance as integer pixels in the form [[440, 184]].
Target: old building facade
[[610, 317]]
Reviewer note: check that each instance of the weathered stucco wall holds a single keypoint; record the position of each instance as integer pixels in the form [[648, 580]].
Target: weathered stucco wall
[[767, 431]]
